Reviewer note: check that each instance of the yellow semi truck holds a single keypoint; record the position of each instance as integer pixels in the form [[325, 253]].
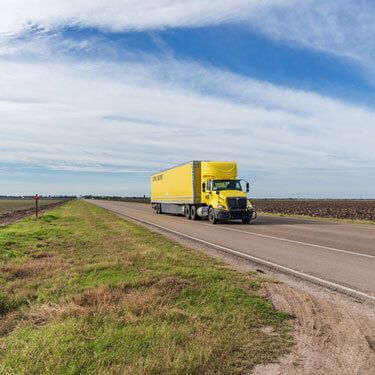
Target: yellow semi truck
[[202, 189]]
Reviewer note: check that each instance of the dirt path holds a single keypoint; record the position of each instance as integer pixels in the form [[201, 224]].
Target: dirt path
[[334, 334]]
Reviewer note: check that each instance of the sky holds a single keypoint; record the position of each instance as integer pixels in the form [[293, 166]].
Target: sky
[[96, 95]]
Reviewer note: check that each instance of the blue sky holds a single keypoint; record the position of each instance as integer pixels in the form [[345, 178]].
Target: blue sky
[[94, 97]]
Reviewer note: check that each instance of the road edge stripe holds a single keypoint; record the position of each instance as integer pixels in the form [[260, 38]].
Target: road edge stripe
[[316, 280]]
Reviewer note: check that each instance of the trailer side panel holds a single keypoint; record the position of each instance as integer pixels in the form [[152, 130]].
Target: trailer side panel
[[176, 185]]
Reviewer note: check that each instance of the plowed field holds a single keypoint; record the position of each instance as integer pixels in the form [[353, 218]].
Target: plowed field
[[10, 205], [15, 209], [338, 209]]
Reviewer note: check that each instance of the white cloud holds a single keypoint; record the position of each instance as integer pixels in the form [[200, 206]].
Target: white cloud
[[345, 28], [140, 117], [119, 15]]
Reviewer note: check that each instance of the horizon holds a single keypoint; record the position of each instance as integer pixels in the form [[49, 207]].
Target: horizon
[[94, 100], [90, 196]]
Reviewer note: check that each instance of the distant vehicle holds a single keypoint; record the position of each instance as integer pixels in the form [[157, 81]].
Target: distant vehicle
[[202, 189]]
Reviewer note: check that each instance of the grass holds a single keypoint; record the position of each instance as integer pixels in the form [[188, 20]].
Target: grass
[[9, 205], [84, 292]]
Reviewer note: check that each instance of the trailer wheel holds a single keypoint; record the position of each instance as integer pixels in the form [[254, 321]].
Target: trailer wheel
[[187, 212], [158, 208], [193, 213], [211, 216]]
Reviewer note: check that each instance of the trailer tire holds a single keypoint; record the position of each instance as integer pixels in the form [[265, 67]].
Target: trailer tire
[[211, 216], [187, 212], [158, 208], [193, 213]]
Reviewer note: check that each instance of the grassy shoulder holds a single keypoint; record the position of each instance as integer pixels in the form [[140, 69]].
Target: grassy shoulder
[[84, 292], [317, 218]]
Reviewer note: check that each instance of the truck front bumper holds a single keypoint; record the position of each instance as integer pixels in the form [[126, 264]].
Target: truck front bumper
[[234, 214]]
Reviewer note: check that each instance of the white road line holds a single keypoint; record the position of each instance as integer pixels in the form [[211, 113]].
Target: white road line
[[295, 242], [303, 275], [283, 239]]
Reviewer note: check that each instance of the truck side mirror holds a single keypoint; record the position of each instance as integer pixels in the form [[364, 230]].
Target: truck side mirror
[[203, 186], [247, 187]]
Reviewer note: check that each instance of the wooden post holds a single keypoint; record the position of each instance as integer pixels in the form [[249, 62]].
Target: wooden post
[[36, 198]]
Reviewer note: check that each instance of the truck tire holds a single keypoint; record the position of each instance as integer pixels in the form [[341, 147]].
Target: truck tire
[[193, 213], [246, 220], [187, 211], [211, 216]]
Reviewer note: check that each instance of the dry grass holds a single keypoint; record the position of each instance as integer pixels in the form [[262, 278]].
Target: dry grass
[[42, 265], [109, 299]]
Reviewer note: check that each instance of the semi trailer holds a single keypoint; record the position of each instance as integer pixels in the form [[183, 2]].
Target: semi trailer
[[202, 189]]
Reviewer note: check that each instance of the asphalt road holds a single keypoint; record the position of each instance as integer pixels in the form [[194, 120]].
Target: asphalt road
[[338, 255]]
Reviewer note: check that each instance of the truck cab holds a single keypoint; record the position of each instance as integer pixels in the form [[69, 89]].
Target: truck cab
[[226, 200]]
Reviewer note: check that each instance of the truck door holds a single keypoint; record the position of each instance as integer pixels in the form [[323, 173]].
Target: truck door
[[207, 194]]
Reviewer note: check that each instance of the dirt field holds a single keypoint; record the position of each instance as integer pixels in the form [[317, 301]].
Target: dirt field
[[337, 209], [10, 205], [14, 209]]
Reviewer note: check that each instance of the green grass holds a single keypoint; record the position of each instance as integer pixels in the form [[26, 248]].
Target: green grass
[[9, 205], [84, 292]]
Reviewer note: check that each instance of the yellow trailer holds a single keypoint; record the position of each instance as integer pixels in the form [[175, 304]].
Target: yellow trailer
[[200, 189]]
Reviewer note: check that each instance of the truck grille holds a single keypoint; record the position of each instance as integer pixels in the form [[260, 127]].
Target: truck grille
[[237, 203]]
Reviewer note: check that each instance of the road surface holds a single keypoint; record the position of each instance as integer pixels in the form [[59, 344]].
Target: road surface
[[338, 255]]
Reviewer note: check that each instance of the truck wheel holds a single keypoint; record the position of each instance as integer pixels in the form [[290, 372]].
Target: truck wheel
[[193, 213], [246, 220], [187, 212], [211, 216]]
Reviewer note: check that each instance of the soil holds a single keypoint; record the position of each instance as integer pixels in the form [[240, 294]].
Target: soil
[[327, 208], [10, 217], [333, 333]]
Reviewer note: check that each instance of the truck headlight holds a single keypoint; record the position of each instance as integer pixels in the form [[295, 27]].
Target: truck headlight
[[220, 206]]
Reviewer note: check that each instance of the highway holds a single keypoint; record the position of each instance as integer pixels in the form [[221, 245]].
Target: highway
[[338, 255]]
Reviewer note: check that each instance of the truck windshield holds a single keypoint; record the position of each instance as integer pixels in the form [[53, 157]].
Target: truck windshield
[[226, 185]]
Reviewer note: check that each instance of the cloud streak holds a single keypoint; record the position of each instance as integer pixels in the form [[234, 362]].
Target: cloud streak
[[345, 28], [123, 15], [98, 116]]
